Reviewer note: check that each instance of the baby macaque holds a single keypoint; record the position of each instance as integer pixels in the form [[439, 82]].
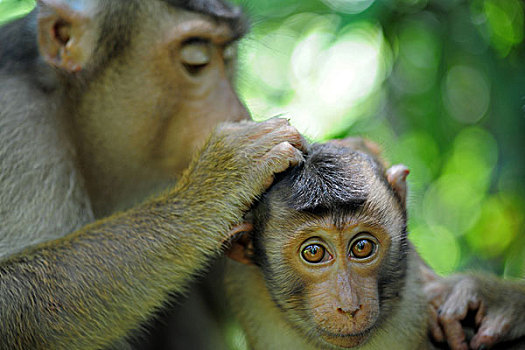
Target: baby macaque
[[327, 263]]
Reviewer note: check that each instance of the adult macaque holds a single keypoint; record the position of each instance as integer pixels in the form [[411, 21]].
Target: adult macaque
[[101, 104], [327, 264]]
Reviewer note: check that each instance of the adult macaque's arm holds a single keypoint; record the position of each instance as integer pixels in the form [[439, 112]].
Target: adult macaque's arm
[[91, 287]]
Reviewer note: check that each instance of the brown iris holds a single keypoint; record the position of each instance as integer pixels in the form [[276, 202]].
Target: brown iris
[[313, 253], [362, 248]]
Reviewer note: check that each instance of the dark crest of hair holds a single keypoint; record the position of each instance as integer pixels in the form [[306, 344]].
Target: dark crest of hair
[[331, 176]]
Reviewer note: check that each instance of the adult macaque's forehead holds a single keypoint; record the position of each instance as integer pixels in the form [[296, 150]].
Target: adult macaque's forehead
[[219, 10], [216, 8], [188, 25]]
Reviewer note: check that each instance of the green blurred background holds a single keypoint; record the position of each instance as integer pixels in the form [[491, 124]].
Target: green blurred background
[[439, 84]]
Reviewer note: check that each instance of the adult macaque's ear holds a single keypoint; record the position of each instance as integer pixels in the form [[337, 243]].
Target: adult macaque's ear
[[66, 33], [240, 247], [396, 177]]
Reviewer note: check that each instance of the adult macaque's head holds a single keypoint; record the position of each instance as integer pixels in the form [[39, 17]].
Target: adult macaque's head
[[146, 82]]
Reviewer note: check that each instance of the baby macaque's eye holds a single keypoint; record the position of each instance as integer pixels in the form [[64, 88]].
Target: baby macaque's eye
[[313, 253], [362, 248]]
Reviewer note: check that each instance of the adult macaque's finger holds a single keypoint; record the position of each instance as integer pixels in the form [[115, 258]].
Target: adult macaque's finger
[[454, 333], [284, 132], [267, 127], [435, 330], [491, 331], [280, 158]]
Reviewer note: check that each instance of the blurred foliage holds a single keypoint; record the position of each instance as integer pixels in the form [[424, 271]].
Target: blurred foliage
[[440, 84], [10, 9]]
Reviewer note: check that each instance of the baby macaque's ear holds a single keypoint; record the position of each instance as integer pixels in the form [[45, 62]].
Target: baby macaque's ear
[[359, 144], [396, 176], [240, 246], [363, 145]]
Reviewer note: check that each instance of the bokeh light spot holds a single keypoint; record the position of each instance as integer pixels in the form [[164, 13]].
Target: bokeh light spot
[[452, 202], [271, 58], [419, 147], [505, 18], [339, 78], [419, 56], [455, 199], [495, 229], [349, 71], [324, 81], [474, 157], [466, 94], [437, 246], [349, 6]]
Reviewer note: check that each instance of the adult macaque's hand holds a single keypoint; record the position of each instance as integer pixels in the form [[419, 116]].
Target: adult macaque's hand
[[498, 307], [239, 161]]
